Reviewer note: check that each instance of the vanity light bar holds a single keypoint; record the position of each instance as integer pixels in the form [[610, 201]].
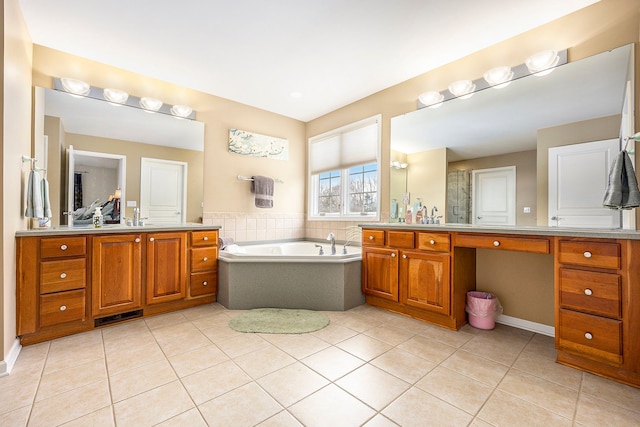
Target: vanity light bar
[[131, 101], [518, 71]]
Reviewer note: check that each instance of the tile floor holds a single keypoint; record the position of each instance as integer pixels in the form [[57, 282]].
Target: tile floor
[[368, 367]]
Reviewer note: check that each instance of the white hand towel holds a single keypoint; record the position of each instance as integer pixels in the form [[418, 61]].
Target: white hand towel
[[34, 197], [46, 203]]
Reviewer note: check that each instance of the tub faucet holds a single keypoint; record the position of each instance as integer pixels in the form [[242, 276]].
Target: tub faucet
[[331, 237]]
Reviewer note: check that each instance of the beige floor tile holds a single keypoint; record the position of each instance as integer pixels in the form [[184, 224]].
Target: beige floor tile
[[101, 418], [124, 331], [358, 323], [191, 418], [460, 391], [380, 421], [76, 341], [129, 341], [373, 386], [214, 381], [143, 378], [17, 395], [449, 337], [612, 392], [298, 346], [404, 365], [542, 346], [334, 333], [501, 350], [551, 396], [164, 320], [409, 324], [476, 367], [70, 378], [15, 418], [159, 404], [244, 406], [219, 333], [332, 363], [364, 347], [331, 406], [292, 383], [197, 360], [389, 334], [242, 344], [70, 405], [593, 412], [202, 311], [539, 366], [281, 419], [189, 341], [137, 354], [427, 348], [67, 357], [477, 422], [503, 409], [30, 363], [264, 361], [415, 407], [215, 319]]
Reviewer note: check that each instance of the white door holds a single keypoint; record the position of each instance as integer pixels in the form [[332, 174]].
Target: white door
[[494, 196], [163, 191], [578, 177]]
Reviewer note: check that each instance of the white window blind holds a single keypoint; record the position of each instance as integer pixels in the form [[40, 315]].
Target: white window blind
[[343, 149]]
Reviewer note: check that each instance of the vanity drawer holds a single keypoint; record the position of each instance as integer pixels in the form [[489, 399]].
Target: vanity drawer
[[373, 237], [62, 307], [538, 245], [591, 336], [56, 276], [590, 254], [204, 238], [597, 293], [55, 247], [401, 239], [438, 242], [204, 259], [203, 283]]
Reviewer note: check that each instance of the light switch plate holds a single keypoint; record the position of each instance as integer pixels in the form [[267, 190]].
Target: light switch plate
[[132, 203], [527, 209]]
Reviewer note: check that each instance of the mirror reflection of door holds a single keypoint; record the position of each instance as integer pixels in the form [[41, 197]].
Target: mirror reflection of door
[[163, 191], [494, 196], [578, 178]]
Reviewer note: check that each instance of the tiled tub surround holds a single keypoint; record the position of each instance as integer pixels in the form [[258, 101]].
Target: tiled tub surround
[[368, 367], [261, 226]]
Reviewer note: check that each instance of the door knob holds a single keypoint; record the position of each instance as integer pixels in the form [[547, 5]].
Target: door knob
[[151, 239]]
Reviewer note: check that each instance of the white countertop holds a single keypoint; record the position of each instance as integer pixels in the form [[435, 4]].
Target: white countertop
[[113, 228], [604, 233]]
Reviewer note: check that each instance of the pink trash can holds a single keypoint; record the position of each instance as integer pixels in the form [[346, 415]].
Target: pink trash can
[[483, 308]]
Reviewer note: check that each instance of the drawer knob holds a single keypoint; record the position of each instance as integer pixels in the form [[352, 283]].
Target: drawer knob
[[137, 240], [588, 292], [404, 256], [370, 237], [433, 242], [205, 238], [393, 255], [496, 243], [63, 247], [63, 307], [204, 283], [587, 254], [205, 259], [151, 239], [63, 276], [588, 335]]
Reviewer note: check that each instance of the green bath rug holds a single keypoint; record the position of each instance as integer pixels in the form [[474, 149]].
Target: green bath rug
[[279, 321]]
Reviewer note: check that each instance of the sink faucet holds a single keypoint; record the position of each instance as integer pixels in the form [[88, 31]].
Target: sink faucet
[[331, 237]]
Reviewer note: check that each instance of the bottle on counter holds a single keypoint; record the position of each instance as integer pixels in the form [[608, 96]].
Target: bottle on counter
[[97, 218]]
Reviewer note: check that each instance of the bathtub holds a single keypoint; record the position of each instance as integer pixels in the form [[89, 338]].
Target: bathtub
[[290, 275]]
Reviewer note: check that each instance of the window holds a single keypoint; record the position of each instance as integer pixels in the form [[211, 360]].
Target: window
[[344, 172]]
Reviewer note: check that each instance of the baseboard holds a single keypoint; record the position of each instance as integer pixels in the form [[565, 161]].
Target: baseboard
[[527, 325], [7, 365]]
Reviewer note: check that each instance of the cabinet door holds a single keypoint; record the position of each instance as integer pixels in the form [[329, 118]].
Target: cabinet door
[[424, 280], [380, 272], [116, 274], [166, 267]]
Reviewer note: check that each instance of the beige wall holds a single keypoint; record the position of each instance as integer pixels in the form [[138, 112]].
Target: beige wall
[[525, 163], [16, 141], [427, 178]]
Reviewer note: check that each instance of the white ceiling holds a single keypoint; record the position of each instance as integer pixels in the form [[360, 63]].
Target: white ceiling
[[257, 52]]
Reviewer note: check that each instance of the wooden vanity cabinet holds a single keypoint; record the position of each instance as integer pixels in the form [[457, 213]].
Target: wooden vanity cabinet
[[166, 267], [203, 266]]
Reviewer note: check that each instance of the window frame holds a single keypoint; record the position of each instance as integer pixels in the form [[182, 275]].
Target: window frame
[[313, 187]]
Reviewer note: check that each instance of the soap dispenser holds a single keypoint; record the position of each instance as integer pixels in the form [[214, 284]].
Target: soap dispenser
[[97, 218]]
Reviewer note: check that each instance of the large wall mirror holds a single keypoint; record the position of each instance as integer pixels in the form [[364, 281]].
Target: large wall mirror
[[586, 100], [117, 150]]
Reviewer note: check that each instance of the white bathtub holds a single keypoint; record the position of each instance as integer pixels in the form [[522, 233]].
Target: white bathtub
[[299, 251], [290, 275]]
